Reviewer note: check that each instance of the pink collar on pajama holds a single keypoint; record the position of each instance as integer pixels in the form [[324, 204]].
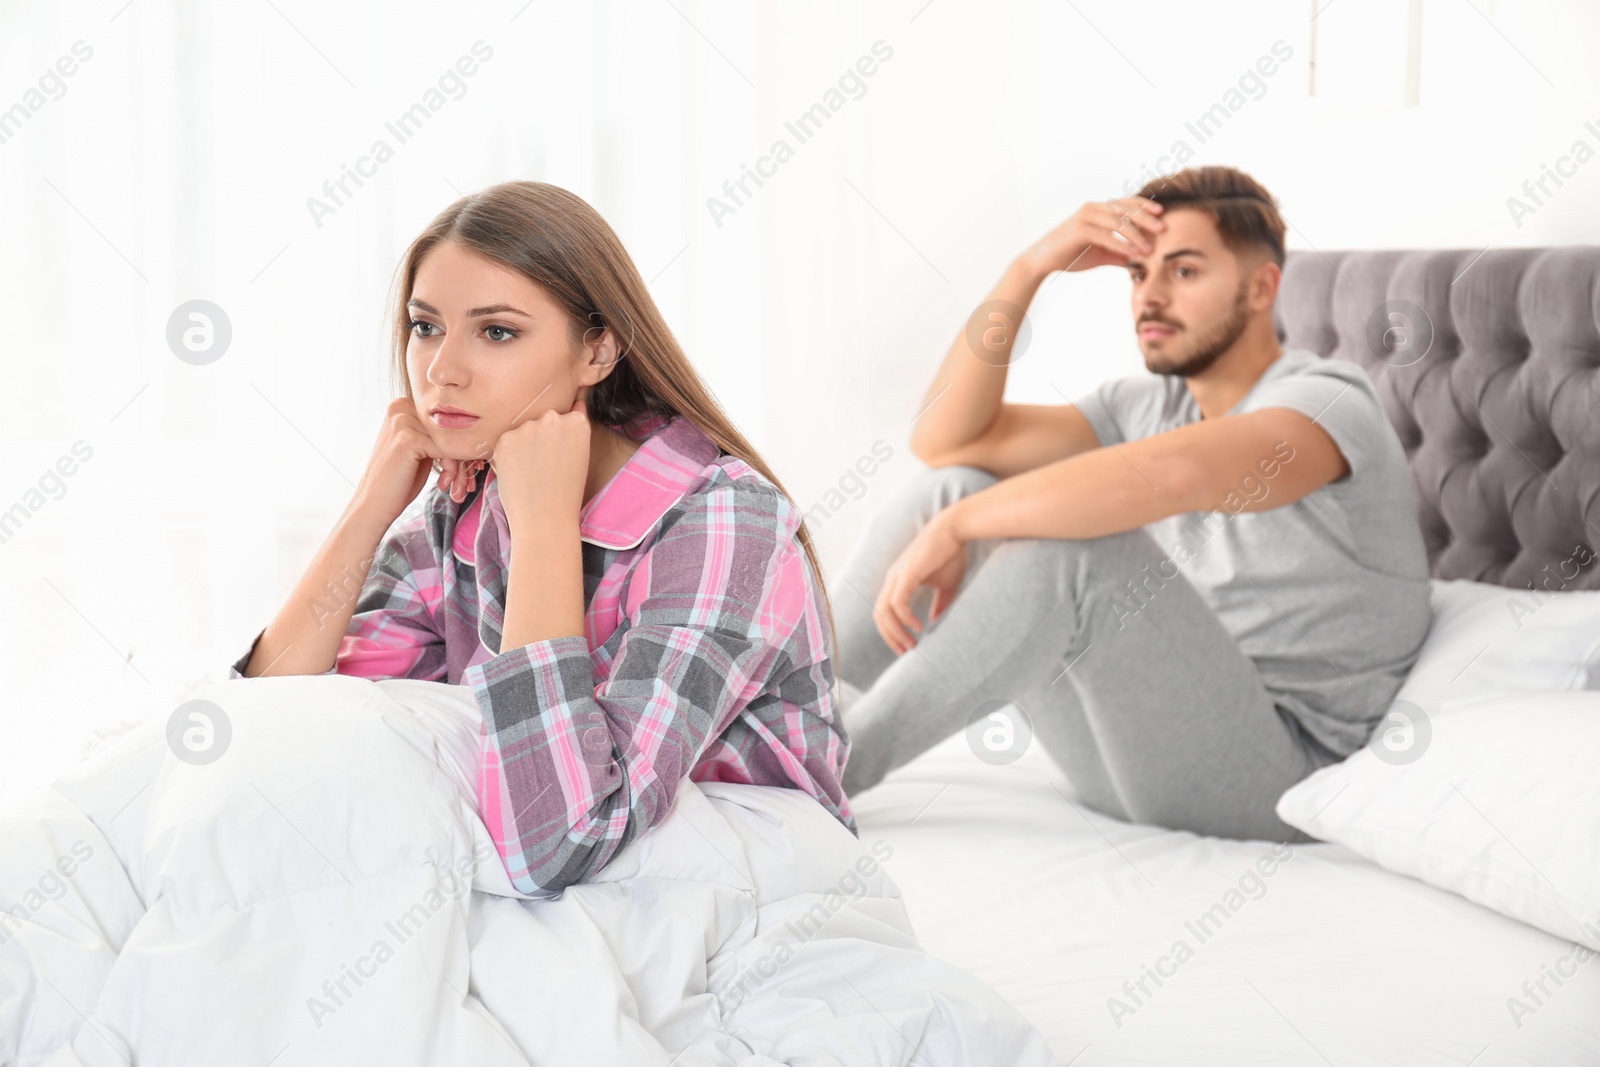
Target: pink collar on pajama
[[624, 509]]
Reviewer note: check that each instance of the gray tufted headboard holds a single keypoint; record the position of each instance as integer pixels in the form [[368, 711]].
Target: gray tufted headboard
[[1488, 366]]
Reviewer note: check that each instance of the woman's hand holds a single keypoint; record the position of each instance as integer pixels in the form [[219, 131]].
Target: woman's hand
[[542, 466], [935, 557], [401, 462]]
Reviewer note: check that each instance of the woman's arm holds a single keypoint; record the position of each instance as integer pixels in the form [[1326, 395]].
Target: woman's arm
[[717, 610], [544, 585], [542, 466], [393, 632], [304, 637]]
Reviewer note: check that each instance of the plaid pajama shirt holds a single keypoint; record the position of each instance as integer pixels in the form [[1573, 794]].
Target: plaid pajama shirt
[[705, 654]]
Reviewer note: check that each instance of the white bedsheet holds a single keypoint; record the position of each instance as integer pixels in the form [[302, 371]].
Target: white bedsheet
[[233, 913], [1332, 960]]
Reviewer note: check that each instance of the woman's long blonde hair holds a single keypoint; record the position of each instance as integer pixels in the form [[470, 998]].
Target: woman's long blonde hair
[[555, 239]]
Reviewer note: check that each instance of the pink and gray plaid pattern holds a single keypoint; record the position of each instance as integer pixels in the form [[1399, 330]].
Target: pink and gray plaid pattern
[[705, 654]]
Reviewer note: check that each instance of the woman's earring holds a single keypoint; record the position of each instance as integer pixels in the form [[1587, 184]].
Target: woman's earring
[[438, 467]]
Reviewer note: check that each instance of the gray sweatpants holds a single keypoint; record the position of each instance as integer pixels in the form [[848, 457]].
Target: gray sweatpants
[[1147, 703]]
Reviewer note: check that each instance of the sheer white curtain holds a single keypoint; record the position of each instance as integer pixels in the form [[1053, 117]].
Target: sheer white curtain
[[176, 160], [232, 155]]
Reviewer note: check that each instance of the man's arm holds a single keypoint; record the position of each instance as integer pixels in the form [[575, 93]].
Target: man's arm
[[962, 419], [1023, 437], [1251, 462]]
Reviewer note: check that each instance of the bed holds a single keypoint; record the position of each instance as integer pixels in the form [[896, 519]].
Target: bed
[[292, 871], [1486, 364], [233, 918]]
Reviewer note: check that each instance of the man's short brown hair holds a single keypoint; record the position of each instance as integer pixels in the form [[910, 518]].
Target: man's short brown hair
[[1246, 215]]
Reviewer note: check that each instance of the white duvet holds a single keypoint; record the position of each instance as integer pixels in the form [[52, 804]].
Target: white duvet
[[324, 893]]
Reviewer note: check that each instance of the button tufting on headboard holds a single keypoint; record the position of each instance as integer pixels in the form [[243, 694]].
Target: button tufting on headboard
[[1488, 366]]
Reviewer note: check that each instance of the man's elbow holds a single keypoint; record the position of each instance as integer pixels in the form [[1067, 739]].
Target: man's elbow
[[926, 451], [936, 456]]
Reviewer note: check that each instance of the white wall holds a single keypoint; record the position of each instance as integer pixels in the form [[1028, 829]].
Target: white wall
[[177, 161]]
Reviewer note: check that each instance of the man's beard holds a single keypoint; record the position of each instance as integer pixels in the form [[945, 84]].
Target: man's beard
[[1209, 346]]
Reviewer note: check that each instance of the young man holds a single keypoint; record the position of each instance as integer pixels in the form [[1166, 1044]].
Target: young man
[[1199, 585]]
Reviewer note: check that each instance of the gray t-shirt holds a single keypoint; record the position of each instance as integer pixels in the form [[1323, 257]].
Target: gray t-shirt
[[1327, 595]]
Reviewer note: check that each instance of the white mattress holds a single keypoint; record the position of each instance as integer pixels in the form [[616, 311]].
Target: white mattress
[[1335, 961]]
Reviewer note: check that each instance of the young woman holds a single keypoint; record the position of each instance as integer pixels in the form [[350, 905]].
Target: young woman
[[605, 559]]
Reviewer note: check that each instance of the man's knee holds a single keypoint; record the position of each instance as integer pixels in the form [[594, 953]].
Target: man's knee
[[949, 484], [932, 489], [1129, 556], [1102, 581]]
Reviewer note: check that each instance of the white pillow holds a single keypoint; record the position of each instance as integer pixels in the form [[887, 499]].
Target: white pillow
[[1489, 638], [1500, 805]]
